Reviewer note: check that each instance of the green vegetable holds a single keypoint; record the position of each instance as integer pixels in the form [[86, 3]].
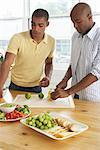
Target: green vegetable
[[43, 121], [28, 95], [41, 95], [24, 109], [2, 115], [8, 105], [26, 106]]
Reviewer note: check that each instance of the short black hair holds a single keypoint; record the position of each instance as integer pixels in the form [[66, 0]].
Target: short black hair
[[83, 6], [41, 13]]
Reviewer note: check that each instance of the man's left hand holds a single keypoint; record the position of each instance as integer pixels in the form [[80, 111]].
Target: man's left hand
[[44, 82]]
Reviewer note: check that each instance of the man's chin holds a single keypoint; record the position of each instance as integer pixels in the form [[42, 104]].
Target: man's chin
[[78, 31]]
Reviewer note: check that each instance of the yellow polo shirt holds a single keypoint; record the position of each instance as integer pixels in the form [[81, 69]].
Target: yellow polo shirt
[[30, 58]]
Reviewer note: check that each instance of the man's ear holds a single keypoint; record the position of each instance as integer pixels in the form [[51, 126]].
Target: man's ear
[[47, 23], [89, 16]]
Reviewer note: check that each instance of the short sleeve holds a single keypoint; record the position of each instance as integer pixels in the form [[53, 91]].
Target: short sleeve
[[14, 44]]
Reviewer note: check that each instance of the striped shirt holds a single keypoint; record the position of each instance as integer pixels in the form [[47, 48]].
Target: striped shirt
[[85, 59]]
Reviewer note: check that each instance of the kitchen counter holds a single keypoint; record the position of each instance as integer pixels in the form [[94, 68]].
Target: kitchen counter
[[16, 136]]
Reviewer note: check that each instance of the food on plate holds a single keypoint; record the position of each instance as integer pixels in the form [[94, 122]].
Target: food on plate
[[54, 125], [74, 127], [41, 95], [7, 107], [57, 126], [63, 122], [67, 131], [2, 115], [14, 114], [18, 112], [59, 132], [64, 128], [42, 121], [67, 124], [63, 133], [24, 109], [28, 95]]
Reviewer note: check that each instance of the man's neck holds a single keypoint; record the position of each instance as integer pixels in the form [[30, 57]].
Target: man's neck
[[89, 28], [38, 39]]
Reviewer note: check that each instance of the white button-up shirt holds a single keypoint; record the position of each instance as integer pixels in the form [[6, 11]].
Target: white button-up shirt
[[85, 59]]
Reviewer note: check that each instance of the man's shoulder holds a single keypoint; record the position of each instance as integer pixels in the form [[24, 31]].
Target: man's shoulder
[[75, 35], [50, 37], [98, 30], [96, 33], [21, 34]]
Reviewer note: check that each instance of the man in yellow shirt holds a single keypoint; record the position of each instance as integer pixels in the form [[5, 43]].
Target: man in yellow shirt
[[32, 53]]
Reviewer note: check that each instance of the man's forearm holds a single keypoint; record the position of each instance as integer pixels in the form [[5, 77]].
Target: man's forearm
[[48, 70], [84, 83], [68, 74], [5, 67]]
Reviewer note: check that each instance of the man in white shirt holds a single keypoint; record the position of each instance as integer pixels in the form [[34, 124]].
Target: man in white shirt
[[85, 58]]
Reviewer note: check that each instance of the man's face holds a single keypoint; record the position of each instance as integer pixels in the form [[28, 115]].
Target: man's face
[[81, 22], [38, 26]]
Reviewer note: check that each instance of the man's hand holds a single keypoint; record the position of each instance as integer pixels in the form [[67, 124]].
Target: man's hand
[[59, 93], [44, 82], [62, 84]]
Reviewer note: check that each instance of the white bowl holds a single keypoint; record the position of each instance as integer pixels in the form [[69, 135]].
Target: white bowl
[[7, 107]]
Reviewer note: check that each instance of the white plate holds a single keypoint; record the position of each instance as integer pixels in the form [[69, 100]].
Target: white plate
[[7, 120], [82, 127]]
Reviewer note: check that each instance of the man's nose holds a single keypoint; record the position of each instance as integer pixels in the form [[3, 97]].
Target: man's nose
[[36, 28]]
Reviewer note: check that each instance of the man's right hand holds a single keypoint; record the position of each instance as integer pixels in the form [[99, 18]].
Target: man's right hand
[[62, 84], [59, 93]]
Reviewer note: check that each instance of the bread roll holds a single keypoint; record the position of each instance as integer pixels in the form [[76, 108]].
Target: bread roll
[[74, 127]]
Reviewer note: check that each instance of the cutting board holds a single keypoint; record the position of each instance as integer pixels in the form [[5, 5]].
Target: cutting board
[[36, 102]]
